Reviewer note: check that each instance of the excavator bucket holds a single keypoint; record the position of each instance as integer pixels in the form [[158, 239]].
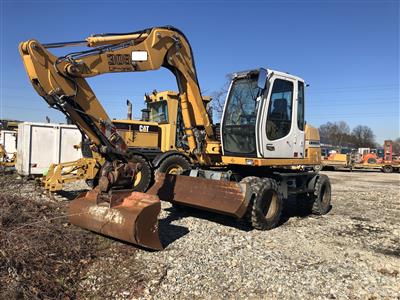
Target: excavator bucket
[[226, 197], [128, 216]]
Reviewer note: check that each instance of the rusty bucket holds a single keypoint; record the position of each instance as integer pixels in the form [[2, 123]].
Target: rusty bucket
[[128, 216], [225, 197]]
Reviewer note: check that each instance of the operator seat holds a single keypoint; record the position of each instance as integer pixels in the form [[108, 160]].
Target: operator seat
[[280, 110], [278, 120]]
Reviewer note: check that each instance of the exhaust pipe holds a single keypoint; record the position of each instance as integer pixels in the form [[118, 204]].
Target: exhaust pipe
[[129, 109]]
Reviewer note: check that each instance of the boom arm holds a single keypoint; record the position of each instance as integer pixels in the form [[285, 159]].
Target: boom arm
[[61, 81]]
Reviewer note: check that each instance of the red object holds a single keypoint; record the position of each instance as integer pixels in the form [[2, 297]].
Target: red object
[[388, 151]]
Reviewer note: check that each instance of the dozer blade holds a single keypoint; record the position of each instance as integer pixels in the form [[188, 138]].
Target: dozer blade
[[226, 197], [128, 216]]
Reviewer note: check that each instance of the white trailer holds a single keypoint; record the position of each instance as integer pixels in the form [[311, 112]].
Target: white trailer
[[41, 144], [8, 138]]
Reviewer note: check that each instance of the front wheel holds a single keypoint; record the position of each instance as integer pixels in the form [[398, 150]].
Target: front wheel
[[174, 164], [267, 203], [144, 176]]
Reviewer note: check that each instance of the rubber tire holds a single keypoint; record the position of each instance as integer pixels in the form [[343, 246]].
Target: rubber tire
[[85, 148], [164, 167], [250, 181], [321, 198], [146, 172], [317, 168], [174, 160], [387, 169], [261, 189]]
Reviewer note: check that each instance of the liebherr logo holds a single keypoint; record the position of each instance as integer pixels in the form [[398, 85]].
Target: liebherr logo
[[143, 128]]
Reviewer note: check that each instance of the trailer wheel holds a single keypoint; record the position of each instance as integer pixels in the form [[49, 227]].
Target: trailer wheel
[[387, 169], [174, 164], [317, 168], [144, 176], [267, 203], [322, 196]]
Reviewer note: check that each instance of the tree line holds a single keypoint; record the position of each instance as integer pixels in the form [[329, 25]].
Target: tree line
[[338, 134]]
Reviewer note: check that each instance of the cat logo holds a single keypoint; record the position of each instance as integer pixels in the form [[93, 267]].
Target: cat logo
[[144, 128]]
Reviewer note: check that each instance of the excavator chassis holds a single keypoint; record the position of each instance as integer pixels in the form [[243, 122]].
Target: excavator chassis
[[132, 216]]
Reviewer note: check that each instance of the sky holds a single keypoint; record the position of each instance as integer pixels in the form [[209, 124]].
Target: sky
[[347, 51]]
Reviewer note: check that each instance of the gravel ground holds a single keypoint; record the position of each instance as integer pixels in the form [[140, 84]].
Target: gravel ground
[[351, 253]]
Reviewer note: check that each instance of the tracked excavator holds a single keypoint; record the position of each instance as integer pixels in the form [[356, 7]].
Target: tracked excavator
[[264, 154]]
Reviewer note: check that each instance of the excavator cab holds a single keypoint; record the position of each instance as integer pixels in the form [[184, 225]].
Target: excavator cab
[[263, 114]]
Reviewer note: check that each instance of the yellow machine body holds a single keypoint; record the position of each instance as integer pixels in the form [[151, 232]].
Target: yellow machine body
[[227, 176]]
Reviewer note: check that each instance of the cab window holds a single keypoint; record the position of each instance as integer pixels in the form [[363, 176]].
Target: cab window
[[300, 106], [240, 115], [279, 117], [158, 111]]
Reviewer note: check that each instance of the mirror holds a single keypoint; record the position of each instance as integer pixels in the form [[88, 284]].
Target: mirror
[[262, 78]]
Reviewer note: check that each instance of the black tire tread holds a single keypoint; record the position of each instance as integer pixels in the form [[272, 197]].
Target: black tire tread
[[249, 180], [258, 187], [176, 159], [146, 172], [317, 206]]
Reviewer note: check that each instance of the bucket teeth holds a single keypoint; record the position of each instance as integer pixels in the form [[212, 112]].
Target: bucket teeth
[[128, 216]]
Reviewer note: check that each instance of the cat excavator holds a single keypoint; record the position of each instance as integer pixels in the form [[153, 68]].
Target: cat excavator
[[261, 154]]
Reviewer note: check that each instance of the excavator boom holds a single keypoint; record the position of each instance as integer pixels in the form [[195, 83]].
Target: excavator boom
[[61, 82]]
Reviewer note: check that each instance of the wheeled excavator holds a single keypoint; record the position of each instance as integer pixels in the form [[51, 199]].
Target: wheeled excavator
[[261, 158]]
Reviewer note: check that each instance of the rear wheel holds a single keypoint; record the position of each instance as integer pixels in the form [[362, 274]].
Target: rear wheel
[[267, 203], [387, 169], [322, 196]]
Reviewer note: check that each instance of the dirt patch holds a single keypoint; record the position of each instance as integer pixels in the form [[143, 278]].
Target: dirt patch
[[42, 256]]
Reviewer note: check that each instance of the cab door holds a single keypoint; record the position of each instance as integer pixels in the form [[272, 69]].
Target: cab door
[[279, 133]]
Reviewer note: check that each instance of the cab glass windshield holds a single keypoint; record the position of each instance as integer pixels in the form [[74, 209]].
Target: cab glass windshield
[[240, 117], [158, 111]]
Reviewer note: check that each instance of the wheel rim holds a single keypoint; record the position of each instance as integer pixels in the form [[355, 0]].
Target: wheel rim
[[387, 169], [138, 178], [271, 209], [175, 170]]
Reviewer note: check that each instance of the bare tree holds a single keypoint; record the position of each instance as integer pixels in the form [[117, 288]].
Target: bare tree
[[218, 97], [363, 136], [336, 133]]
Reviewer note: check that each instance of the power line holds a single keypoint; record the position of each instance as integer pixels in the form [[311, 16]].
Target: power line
[[350, 104], [355, 87]]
